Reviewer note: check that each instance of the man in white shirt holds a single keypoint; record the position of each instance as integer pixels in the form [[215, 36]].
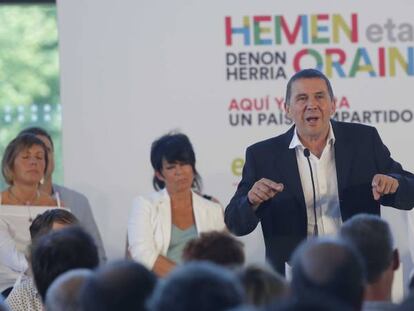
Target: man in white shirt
[[319, 173]]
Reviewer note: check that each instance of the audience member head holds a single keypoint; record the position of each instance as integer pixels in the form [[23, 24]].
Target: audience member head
[[61, 251], [173, 148], [262, 285], [45, 137], [63, 294], [15, 156], [307, 74], [218, 247], [201, 286], [316, 301], [372, 237], [51, 220], [331, 267], [120, 285]]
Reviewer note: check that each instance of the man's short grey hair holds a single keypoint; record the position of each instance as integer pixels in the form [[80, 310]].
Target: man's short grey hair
[[372, 237], [307, 74], [63, 294]]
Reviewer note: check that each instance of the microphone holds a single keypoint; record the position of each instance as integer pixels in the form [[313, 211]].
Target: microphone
[[306, 153]]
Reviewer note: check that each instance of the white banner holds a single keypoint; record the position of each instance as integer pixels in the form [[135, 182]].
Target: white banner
[[217, 71]]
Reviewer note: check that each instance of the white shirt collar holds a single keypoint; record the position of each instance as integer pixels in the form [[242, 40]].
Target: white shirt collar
[[295, 142]]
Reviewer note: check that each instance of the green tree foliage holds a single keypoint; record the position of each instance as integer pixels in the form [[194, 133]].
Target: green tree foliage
[[29, 74]]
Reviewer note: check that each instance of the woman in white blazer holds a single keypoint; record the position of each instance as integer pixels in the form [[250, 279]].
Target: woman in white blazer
[[162, 223]]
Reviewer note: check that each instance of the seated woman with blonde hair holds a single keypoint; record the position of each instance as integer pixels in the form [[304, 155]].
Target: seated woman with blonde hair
[[161, 224], [23, 167]]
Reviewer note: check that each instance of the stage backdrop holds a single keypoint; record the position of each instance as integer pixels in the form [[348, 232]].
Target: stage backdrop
[[217, 70]]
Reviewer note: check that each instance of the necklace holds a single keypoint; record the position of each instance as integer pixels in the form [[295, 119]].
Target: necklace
[[27, 203]]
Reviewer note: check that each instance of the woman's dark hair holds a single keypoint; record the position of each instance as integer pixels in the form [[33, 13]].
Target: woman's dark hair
[[18, 144], [173, 148]]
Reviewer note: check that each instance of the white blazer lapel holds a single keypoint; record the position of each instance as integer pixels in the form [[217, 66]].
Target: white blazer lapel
[[165, 220], [199, 213]]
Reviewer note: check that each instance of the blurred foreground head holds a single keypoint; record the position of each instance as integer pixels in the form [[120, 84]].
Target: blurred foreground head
[[262, 285], [120, 285], [61, 251], [330, 267], [200, 286], [64, 293]]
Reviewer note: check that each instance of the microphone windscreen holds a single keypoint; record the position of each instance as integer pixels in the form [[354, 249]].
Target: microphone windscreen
[[306, 152]]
